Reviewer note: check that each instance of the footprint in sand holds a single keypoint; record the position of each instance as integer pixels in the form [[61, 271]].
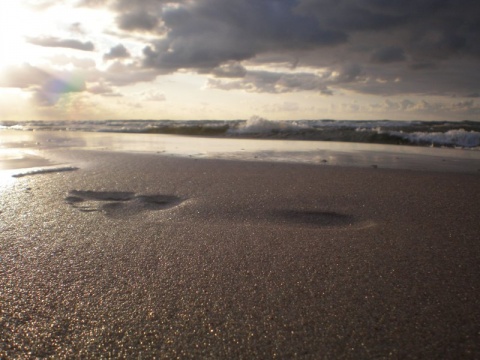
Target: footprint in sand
[[119, 203], [320, 218]]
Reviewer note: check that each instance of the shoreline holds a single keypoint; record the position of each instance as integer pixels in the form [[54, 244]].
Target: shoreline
[[33, 148]]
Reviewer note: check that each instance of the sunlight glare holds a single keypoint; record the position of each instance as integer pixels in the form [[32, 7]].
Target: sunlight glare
[[6, 179], [15, 22]]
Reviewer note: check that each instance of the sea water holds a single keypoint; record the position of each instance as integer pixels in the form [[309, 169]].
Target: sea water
[[30, 143], [464, 134]]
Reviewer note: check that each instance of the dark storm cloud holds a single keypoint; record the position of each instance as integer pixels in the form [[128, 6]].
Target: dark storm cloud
[[422, 65], [117, 52], [388, 54], [399, 45], [203, 34], [434, 28], [345, 74], [63, 43], [455, 78], [207, 33], [355, 15]]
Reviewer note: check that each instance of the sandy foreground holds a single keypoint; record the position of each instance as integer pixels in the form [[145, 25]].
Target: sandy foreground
[[145, 255]]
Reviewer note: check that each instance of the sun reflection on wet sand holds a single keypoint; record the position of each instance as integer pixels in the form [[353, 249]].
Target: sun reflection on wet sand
[[15, 158], [6, 178]]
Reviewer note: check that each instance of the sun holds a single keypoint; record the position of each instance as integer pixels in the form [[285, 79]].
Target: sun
[[17, 22], [13, 20]]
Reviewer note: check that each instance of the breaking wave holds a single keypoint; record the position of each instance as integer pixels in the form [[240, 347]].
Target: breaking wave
[[464, 134], [460, 137]]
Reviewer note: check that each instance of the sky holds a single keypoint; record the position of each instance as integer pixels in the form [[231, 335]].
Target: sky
[[234, 59]]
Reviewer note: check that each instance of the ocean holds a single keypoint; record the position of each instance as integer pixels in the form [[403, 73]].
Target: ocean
[[412, 145], [464, 134]]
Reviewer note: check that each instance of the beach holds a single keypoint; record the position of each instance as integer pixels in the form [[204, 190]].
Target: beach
[[141, 254]]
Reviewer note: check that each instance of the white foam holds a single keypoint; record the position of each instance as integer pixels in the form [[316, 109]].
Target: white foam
[[458, 137], [257, 124], [45, 170]]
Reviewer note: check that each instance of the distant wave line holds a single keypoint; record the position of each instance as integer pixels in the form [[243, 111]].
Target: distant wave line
[[464, 134]]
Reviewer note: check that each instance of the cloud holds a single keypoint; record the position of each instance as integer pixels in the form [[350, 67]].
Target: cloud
[[46, 86], [422, 65], [207, 33], [277, 82], [274, 82], [139, 20], [77, 28], [63, 43], [453, 78], [230, 70], [100, 88], [473, 95], [385, 48], [431, 28], [72, 62], [93, 3], [354, 15], [152, 6], [51, 91], [117, 52], [51, 81], [119, 74], [346, 73], [23, 76], [388, 54], [426, 106]]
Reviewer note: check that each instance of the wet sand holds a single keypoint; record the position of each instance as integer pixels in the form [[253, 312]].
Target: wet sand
[[143, 255]]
